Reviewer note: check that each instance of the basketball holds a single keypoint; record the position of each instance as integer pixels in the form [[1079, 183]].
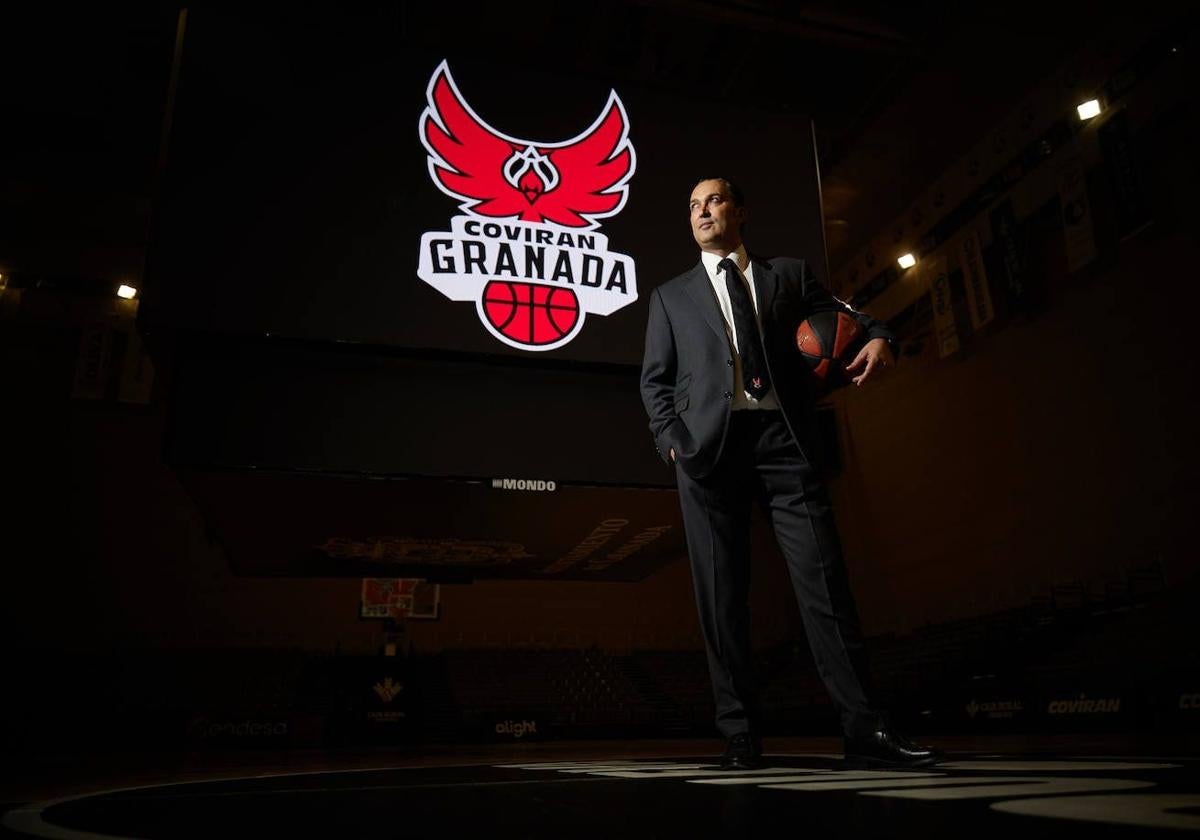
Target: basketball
[[530, 313], [829, 341]]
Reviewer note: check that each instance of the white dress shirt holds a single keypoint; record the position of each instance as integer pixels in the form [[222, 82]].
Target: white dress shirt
[[741, 398]]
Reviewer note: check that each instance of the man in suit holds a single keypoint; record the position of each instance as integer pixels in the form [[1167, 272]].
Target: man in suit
[[723, 383]]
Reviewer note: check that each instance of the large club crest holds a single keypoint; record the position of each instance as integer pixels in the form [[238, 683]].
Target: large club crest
[[526, 252]]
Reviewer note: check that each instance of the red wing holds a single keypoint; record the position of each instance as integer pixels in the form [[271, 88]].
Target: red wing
[[467, 156], [591, 171]]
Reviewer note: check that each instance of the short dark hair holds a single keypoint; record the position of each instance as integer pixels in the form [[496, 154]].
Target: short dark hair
[[735, 192]]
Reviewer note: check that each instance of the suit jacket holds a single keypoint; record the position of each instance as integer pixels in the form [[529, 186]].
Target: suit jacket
[[687, 370]]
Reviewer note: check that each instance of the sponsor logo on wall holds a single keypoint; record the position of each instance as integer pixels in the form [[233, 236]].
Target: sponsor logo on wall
[[527, 484], [237, 730], [1084, 705], [388, 691], [994, 709], [516, 729]]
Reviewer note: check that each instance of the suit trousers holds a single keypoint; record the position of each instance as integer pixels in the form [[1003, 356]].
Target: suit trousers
[[762, 462]]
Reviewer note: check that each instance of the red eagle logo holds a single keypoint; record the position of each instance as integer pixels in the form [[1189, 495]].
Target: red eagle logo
[[572, 183]]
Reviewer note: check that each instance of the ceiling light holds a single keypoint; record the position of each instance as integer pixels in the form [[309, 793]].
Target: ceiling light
[[1089, 109]]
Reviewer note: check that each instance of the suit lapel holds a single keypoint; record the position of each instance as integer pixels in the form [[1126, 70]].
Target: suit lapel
[[699, 288], [766, 284]]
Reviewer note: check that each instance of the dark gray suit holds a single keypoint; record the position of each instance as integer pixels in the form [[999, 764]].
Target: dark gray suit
[[727, 459]]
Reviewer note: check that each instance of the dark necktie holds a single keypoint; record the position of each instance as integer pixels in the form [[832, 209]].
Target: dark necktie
[[754, 368]]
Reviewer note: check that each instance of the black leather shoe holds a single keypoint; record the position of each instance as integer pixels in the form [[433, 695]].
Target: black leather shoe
[[742, 752], [885, 748]]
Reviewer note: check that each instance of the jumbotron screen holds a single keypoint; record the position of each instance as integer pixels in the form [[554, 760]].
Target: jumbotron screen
[[329, 180]]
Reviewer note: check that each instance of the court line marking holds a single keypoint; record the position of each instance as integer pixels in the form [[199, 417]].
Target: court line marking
[[800, 774], [1149, 810], [1051, 765], [1018, 787], [29, 819]]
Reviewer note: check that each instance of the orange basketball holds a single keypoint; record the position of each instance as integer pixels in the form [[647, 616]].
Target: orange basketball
[[829, 341]]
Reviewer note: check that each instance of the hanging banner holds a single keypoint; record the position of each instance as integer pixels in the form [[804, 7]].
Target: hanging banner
[[1013, 250], [1130, 200], [137, 371], [1078, 234], [91, 366], [975, 281], [943, 305]]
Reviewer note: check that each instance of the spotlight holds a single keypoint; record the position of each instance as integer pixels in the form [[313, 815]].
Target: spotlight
[[1088, 109], [907, 261], [127, 292]]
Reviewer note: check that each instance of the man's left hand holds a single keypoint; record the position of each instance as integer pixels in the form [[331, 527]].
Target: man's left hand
[[876, 356]]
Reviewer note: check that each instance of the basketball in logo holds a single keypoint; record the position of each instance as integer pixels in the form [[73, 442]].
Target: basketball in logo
[[828, 341], [529, 313]]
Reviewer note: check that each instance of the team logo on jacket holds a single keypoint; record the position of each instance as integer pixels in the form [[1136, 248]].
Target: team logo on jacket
[[526, 250]]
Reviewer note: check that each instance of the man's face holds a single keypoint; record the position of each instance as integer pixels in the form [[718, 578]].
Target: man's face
[[716, 222]]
